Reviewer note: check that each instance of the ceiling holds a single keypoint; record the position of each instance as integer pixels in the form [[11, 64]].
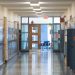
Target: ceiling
[[37, 7]]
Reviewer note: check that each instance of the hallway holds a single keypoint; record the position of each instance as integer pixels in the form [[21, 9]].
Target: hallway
[[42, 62]]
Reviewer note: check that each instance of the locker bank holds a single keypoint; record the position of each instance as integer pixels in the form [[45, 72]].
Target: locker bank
[[37, 37]]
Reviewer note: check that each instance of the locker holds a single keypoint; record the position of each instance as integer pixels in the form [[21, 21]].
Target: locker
[[12, 40], [1, 54], [71, 48]]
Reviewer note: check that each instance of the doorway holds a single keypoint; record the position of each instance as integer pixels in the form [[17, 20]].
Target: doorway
[[34, 36], [51, 32]]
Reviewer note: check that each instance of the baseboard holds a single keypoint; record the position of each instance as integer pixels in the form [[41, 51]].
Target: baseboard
[[24, 50], [57, 51]]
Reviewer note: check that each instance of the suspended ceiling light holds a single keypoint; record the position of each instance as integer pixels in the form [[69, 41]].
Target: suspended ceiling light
[[33, 4], [37, 9], [26, 2]]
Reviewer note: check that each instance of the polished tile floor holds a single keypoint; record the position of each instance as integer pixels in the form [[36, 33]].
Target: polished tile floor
[[36, 62]]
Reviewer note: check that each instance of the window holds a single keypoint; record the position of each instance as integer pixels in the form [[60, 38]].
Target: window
[[24, 36], [56, 19], [40, 20], [35, 46], [24, 19], [56, 28], [24, 33], [34, 38], [34, 29], [24, 45], [24, 28]]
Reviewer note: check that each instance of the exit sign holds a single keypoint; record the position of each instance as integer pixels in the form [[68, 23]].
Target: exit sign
[[45, 17]]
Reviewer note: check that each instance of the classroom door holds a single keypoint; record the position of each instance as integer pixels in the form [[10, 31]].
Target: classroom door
[[34, 36]]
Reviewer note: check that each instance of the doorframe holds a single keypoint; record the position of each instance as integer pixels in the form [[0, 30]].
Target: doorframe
[[30, 32]]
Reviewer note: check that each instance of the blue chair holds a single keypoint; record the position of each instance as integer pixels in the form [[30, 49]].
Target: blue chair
[[45, 44]]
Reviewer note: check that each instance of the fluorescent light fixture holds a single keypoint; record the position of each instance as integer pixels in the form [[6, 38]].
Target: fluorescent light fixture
[[34, 4], [36, 9], [27, 2], [44, 2]]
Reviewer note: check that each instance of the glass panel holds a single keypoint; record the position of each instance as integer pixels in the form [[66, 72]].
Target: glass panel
[[56, 19], [34, 38], [56, 28], [24, 36], [34, 29], [56, 36], [45, 20], [24, 45], [24, 19], [34, 45], [24, 28], [41, 20], [34, 19], [55, 45]]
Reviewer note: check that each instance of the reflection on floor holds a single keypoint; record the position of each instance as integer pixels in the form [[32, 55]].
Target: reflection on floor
[[58, 64], [37, 62]]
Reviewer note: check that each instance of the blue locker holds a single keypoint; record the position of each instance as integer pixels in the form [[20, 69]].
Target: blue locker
[[71, 48]]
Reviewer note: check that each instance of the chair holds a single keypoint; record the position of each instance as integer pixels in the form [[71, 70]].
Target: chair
[[45, 44]]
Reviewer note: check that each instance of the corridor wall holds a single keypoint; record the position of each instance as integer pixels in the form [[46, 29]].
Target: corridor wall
[[70, 12], [9, 27]]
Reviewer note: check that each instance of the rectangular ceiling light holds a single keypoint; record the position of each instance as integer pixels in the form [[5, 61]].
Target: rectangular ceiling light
[[35, 4], [36, 9]]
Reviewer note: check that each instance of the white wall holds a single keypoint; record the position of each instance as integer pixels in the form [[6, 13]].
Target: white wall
[[11, 17], [4, 12], [70, 11]]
